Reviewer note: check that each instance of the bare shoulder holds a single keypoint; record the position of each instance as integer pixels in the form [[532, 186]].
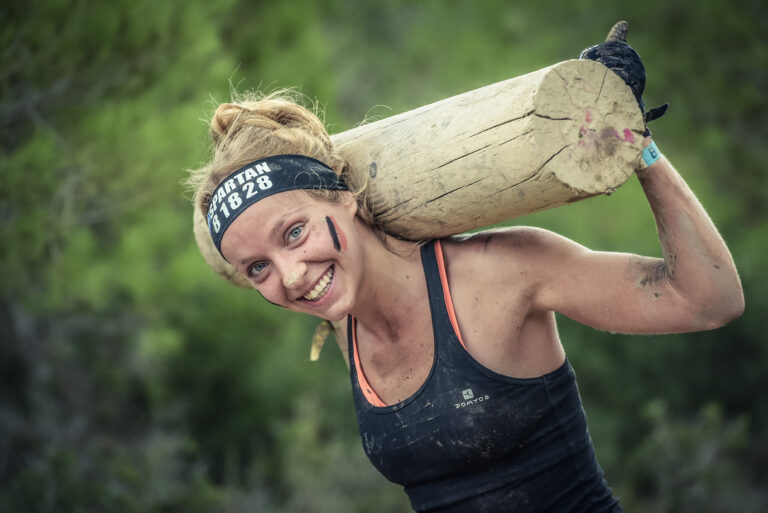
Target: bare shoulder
[[514, 264], [498, 248], [492, 260]]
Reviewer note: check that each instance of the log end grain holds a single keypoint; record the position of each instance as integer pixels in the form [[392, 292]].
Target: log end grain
[[594, 116]]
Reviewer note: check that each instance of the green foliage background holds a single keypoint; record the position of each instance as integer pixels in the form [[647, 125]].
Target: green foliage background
[[119, 389]]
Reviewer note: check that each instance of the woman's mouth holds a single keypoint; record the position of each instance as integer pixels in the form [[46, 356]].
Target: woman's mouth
[[321, 288]]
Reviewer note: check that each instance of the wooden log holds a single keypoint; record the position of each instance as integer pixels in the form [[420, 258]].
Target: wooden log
[[557, 135]]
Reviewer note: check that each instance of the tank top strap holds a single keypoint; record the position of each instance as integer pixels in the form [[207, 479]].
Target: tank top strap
[[440, 303], [359, 380], [350, 341]]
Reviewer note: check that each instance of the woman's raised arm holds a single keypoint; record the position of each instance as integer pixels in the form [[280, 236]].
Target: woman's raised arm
[[694, 287]]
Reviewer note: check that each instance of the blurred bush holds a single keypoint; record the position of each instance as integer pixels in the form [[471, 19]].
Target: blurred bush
[[133, 379]]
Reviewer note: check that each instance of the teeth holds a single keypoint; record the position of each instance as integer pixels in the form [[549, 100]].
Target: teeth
[[321, 289]]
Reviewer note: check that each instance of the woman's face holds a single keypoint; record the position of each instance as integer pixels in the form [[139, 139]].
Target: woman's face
[[300, 252]]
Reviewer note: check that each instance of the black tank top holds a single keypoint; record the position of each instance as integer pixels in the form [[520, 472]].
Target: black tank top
[[471, 440]]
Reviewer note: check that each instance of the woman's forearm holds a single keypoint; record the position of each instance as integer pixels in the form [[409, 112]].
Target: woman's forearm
[[697, 261]]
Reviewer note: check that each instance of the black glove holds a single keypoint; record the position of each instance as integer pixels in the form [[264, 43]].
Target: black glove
[[623, 60]]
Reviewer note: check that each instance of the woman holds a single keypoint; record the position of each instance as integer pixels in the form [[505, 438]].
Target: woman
[[462, 388]]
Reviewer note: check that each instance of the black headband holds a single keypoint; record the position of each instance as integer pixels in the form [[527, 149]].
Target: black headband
[[262, 178]]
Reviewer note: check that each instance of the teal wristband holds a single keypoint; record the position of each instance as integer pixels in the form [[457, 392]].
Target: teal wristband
[[651, 154]]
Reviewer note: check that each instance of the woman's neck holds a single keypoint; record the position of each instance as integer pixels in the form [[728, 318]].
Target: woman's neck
[[393, 289]]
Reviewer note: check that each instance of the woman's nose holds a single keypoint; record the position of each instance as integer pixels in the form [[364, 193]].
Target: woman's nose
[[291, 279], [293, 275]]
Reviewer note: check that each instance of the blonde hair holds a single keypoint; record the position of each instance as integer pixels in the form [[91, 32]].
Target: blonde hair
[[255, 126]]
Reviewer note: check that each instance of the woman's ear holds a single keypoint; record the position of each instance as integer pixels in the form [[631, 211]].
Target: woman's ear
[[350, 202]]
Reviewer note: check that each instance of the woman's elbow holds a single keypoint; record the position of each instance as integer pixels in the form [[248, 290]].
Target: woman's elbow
[[727, 308], [735, 307]]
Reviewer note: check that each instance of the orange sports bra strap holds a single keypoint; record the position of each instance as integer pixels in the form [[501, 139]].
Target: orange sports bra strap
[[447, 291], [370, 395]]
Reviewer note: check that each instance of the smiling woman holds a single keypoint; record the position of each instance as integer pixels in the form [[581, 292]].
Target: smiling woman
[[252, 127], [286, 248], [461, 386]]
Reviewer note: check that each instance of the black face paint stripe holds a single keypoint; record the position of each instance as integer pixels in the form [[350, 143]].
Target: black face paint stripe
[[334, 236]]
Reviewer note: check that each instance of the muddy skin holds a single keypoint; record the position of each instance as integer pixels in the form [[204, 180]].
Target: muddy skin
[[650, 273], [655, 275]]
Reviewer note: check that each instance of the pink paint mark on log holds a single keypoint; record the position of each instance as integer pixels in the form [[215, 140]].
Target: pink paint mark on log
[[588, 117], [629, 136]]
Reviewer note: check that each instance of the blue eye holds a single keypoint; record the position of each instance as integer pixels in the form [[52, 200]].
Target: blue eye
[[295, 232], [256, 268]]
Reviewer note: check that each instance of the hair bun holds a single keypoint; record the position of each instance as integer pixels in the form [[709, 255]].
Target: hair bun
[[270, 114], [224, 119]]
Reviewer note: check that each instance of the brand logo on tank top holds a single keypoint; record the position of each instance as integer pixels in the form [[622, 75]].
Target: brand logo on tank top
[[469, 398]]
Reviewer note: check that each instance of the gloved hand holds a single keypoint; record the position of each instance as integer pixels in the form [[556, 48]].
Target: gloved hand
[[623, 60]]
